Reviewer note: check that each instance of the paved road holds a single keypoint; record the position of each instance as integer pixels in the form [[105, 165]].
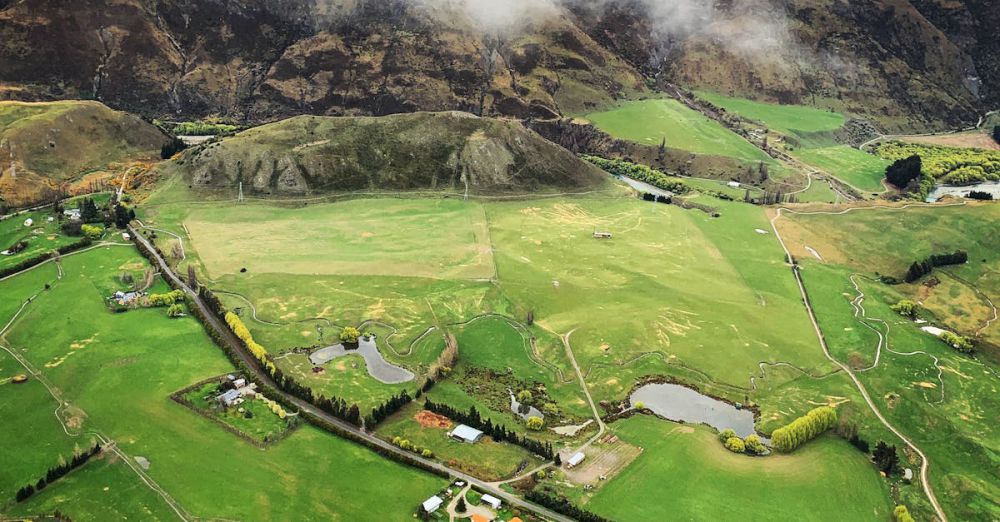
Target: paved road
[[216, 324]]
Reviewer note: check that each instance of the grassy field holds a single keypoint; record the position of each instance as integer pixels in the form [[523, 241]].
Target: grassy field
[[651, 121], [954, 397], [119, 370], [262, 424], [684, 473], [811, 130], [362, 237], [41, 237]]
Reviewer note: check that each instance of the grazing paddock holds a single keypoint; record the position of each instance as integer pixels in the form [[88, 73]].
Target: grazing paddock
[[445, 239]]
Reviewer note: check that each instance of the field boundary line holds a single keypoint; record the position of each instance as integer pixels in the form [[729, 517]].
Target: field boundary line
[[925, 461]]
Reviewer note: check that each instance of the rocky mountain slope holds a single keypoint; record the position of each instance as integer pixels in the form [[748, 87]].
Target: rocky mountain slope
[[906, 63], [451, 151], [46, 148]]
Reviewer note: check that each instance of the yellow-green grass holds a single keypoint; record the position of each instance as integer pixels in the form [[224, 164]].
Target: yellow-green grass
[[949, 414], [650, 122], [345, 377], [48, 237], [852, 166], [672, 289], [886, 241], [818, 192], [122, 379], [104, 489], [787, 119], [684, 473], [811, 128], [361, 237]]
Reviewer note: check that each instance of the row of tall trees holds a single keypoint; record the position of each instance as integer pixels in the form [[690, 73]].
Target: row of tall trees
[[56, 472], [498, 432], [562, 505], [804, 428], [923, 267], [387, 408], [638, 172]]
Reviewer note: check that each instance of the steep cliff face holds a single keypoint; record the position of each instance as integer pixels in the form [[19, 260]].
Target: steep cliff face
[[907, 63], [451, 151]]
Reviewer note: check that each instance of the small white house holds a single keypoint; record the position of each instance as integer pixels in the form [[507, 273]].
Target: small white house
[[72, 213], [29, 222], [575, 460], [734, 184], [466, 434], [432, 504], [230, 398], [491, 500], [908, 475], [126, 236]]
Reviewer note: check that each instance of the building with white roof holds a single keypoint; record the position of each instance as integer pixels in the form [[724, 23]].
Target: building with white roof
[[576, 459], [466, 434], [491, 500], [432, 504]]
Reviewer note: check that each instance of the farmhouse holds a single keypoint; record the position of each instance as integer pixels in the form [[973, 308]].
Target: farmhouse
[[72, 213], [432, 504], [575, 460], [230, 397], [602, 235], [466, 434], [491, 500]]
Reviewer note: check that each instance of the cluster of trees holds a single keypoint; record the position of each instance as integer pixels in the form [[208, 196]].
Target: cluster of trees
[[92, 231], [446, 361], [167, 299], [258, 351], [980, 195], [334, 406], [952, 165], [409, 446], [903, 171], [498, 432], [349, 335], [55, 473], [906, 308], [771, 198], [646, 196], [804, 428], [202, 128], [88, 211], [639, 172], [958, 342], [885, 457], [996, 133], [921, 268], [387, 408], [751, 445], [900, 513], [275, 407], [561, 504], [172, 147]]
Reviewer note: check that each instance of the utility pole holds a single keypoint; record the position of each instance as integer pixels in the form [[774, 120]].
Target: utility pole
[[240, 199]]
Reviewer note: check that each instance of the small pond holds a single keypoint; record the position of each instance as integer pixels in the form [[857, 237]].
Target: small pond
[[378, 367], [678, 403], [515, 406], [991, 187]]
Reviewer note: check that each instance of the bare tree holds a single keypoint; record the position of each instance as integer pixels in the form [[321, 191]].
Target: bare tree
[[192, 277]]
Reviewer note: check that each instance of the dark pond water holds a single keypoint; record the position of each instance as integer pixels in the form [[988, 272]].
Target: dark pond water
[[378, 367], [679, 403]]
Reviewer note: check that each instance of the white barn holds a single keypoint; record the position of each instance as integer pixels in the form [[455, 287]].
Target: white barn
[[466, 434], [491, 500], [575, 460], [432, 504]]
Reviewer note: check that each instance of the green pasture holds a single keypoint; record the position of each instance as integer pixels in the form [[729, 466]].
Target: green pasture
[[43, 236], [119, 370], [951, 416], [852, 166], [684, 473], [360, 237], [262, 425], [649, 122], [787, 119]]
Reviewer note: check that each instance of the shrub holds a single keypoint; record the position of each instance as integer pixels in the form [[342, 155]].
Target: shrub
[[639, 172], [901, 514], [905, 308], [175, 310], [804, 429], [534, 423], [754, 445], [736, 445], [726, 434], [91, 231], [349, 335], [903, 171], [958, 342], [639, 405]]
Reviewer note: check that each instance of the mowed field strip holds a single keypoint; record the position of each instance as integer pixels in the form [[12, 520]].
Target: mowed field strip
[[445, 239]]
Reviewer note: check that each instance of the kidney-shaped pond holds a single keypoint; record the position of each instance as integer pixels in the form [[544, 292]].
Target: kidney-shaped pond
[[678, 403]]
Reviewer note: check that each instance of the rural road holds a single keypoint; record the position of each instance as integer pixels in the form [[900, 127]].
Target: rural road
[[924, 460], [215, 323]]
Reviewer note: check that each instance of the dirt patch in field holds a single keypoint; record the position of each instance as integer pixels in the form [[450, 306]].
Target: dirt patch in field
[[429, 419], [604, 459]]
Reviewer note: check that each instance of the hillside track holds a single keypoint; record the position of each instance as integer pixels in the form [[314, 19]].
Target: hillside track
[[925, 462]]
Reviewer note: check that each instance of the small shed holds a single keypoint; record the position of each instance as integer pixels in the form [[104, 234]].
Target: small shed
[[491, 500], [28, 222], [734, 184], [908, 474], [575, 460], [466, 434], [602, 235], [432, 504], [126, 236]]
